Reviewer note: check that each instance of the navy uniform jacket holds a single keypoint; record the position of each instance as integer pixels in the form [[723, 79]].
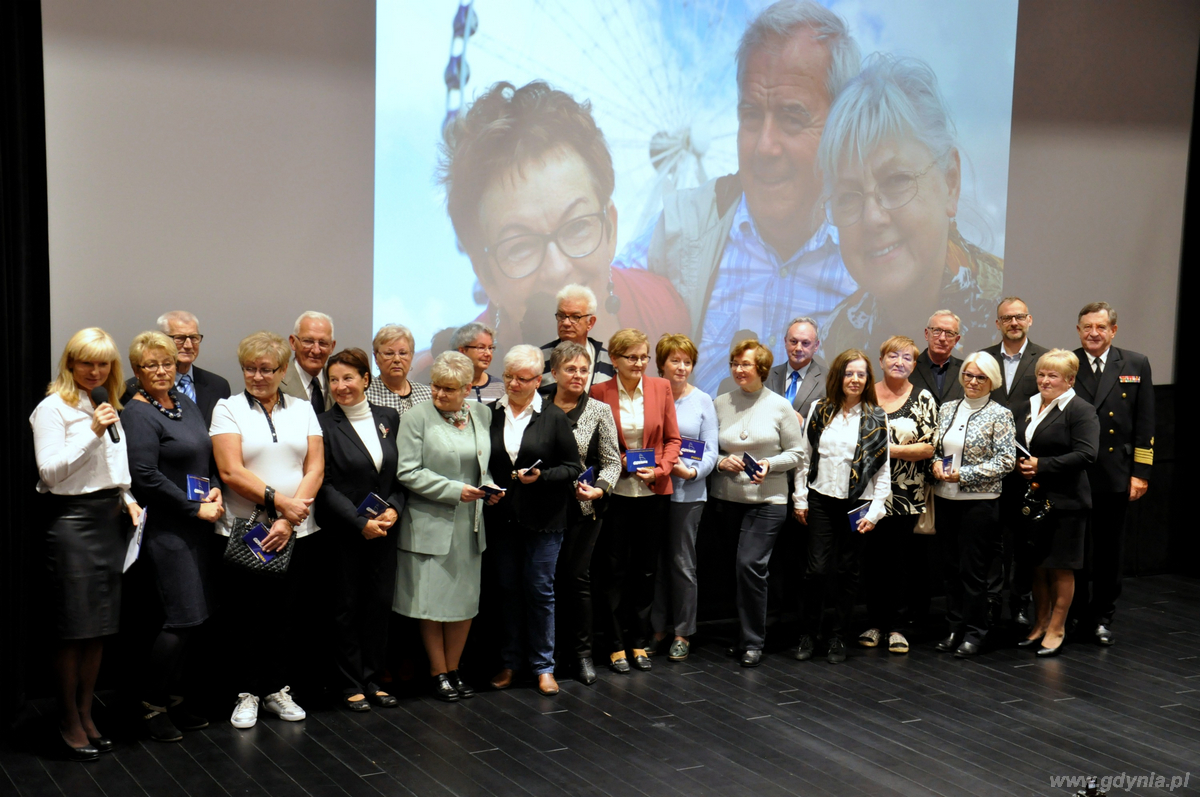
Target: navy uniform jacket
[[1024, 387], [1124, 402], [923, 378]]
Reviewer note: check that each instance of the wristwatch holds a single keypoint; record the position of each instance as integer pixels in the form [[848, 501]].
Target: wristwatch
[[269, 497]]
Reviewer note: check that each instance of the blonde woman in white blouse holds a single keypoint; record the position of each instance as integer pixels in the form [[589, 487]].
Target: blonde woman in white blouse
[[81, 459]]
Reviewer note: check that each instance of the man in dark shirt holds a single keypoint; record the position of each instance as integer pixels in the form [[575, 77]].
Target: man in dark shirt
[[937, 368]]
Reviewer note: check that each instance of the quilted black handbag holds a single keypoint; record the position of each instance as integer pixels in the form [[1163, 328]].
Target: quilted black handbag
[[239, 554]]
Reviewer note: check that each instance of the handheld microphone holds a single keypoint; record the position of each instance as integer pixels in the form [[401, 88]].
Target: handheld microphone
[[100, 396]]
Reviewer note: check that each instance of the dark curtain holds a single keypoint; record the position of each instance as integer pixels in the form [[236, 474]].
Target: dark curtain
[[24, 340]]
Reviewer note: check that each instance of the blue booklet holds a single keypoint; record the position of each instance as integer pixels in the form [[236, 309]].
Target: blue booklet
[[947, 464], [691, 449], [491, 489], [254, 539], [750, 464], [197, 488], [372, 506], [588, 477], [639, 458], [856, 515]]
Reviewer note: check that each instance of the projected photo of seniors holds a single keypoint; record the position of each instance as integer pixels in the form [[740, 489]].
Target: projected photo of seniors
[[708, 130]]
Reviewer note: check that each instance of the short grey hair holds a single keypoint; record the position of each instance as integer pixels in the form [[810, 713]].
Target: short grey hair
[[986, 363], [452, 366], [389, 332], [891, 99], [578, 293], [524, 356], [466, 334], [780, 21], [803, 319], [314, 315], [936, 313], [164, 320], [566, 351]]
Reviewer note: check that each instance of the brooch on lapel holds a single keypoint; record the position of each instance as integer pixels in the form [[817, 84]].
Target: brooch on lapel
[[383, 431]]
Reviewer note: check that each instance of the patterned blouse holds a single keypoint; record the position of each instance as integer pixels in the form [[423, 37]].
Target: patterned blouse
[[381, 396], [915, 422], [596, 435]]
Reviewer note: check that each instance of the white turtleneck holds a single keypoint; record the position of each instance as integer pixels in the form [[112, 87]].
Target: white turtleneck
[[363, 421], [952, 446]]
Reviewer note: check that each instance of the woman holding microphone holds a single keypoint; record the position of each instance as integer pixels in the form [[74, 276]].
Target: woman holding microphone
[[82, 463]]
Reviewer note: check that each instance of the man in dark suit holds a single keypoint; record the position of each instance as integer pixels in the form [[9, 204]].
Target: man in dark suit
[[1017, 356], [203, 387], [1117, 382], [937, 368], [312, 341], [801, 380]]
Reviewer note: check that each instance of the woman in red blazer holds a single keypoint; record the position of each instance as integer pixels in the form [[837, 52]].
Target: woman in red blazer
[[627, 553]]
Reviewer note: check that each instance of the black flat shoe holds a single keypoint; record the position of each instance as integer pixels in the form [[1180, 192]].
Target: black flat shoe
[[586, 673], [102, 744], [356, 705], [966, 650], [619, 664], [751, 658], [837, 651], [1104, 635], [444, 690], [641, 660], [1028, 643], [460, 686], [948, 644], [86, 753], [804, 650], [383, 699]]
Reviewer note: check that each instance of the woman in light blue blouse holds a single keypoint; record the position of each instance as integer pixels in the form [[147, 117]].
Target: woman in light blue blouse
[[675, 590]]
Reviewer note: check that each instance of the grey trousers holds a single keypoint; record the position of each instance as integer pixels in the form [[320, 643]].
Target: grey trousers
[[675, 589]]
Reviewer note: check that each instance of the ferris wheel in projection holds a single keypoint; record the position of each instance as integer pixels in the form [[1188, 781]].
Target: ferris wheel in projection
[[660, 75]]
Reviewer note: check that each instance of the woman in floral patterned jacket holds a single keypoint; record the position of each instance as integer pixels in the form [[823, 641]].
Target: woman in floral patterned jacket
[[975, 449], [912, 424]]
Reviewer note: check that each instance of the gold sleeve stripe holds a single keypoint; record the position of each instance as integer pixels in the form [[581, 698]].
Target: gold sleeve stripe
[[1143, 456]]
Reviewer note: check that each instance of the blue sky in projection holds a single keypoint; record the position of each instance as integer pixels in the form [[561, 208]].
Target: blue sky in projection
[[649, 68]]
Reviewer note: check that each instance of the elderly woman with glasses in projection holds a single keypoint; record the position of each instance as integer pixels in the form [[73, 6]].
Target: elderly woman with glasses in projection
[[893, 177]]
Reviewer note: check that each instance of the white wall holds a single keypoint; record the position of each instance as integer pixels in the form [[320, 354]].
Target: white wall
[[212, 156]]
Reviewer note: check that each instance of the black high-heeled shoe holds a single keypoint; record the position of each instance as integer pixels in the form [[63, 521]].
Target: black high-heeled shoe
[[443, 689], [102, 743], [1045, 653], [1028, 643], [86, 753]]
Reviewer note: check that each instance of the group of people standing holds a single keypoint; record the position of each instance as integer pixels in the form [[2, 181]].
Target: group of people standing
[[574, 497]]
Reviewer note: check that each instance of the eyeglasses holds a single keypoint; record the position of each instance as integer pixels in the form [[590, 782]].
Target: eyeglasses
[[179, 340], [1005, 319], [442, 389], [520, 255], [521, 380], [973, 378], [478, 348], [250, 370], [893, 192], [645, 358], [152, 367], [393, 355], [740, 366], [571, 370], [934, 332], [323, 345], [574, 319]]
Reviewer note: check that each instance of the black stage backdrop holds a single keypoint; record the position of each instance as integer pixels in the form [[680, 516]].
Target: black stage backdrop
[[1161, 530]]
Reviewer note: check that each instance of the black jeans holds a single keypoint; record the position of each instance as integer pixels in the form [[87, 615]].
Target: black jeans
[[834, 564], [626, 565], [757, 527], [886, 560], [968, 532], [574, 618]]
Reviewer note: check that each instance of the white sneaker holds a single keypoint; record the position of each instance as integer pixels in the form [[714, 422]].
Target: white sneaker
[[281, 703], [245, 713]]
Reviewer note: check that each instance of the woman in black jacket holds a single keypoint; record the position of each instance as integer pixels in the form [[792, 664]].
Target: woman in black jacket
[[1061, 435], [358, 502], [535, 460]]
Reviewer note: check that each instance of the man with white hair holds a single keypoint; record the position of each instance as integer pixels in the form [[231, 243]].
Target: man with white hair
[[937, 368], [752, 250], [203, 387], [576, 315], [313, 342]]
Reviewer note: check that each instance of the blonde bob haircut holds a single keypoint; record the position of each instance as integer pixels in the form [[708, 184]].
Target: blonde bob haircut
[[986, 363], [763, 359], [264, 344], [899, 343], [88, 345], [1061, 360], [454, 367], [625, 339], [150, 341], [669, 344]]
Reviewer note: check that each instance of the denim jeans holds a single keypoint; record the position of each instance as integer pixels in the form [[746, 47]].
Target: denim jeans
[[525, 562]]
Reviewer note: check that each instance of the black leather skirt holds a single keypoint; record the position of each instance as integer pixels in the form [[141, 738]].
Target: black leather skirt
[[85, 553]]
